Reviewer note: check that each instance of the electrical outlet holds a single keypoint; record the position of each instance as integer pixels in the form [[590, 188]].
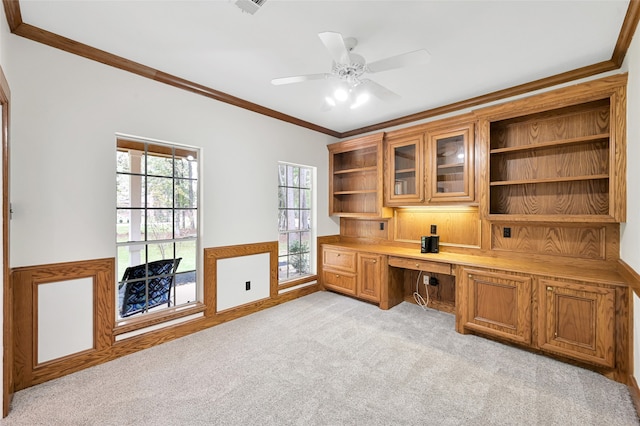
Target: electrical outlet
[[247, 285], [506, 232], [425, 279]]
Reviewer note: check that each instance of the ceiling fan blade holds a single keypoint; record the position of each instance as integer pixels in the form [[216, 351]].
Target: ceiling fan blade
[[299, 78], [336, 46], [403, 60], [379, 91]]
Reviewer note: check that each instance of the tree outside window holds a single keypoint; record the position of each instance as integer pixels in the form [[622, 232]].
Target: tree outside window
[[295, 186]]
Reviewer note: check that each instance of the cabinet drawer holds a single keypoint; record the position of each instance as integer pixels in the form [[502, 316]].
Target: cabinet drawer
[[339, 281], [420, 265], [339, 259]]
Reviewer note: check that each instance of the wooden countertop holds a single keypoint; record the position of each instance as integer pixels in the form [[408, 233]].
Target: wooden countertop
[[593, 271]]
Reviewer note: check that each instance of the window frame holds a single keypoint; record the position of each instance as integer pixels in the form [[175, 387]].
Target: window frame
[[312, 211], [161, 148]]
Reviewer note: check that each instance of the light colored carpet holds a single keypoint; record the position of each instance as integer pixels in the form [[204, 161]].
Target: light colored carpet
[[326, 359]]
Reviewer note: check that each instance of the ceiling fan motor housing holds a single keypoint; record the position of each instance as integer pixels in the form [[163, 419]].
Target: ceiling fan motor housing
[[352, 71]]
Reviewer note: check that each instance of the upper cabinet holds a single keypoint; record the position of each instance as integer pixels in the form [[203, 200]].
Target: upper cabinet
[[430, 164], [563, 160], [451, 168], [404, 170], [355, 177]]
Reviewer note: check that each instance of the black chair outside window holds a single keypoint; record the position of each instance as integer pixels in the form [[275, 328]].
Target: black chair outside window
[[143, 292]]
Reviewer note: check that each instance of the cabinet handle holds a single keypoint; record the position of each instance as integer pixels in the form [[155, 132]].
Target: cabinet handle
[[417, 265], [338, 255], [549, 288], [337, 276], [374, 261]]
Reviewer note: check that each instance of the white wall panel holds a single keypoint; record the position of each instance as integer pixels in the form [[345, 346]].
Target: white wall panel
[[233, 273], [64, 328]]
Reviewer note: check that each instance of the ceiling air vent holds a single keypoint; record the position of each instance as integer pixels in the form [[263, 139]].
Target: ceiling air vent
[[250, 6]]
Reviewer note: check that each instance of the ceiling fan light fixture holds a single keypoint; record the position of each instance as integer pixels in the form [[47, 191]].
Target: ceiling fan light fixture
[[360, 100], [341, 94]]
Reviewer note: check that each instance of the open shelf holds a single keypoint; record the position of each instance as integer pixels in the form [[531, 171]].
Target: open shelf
[[552, 164], [549, 180], [552, 144]]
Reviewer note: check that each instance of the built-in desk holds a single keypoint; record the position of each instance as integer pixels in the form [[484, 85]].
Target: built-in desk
[[571, 309]]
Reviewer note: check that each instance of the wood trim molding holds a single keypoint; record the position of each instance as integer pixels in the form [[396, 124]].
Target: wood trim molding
[[26, 370], [629, 26], [71, 46], [7, 308], [18, 27], [634, 392], [632, 278], [211, 257]]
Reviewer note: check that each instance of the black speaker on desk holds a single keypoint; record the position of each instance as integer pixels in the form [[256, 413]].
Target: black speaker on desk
[[430, 244]]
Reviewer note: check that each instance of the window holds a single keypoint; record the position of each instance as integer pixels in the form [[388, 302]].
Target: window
[[157, 227], [295, 221]]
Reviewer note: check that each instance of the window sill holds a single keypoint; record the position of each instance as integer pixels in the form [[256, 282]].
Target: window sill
[[296, 281], [132, 324]]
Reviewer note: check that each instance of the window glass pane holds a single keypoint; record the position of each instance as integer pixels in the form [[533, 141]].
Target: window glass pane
[[305, 178], [186, 223], [160, 192], [186, 195], [305, 198], [160, 251], [159, 166], [282, 220], [130, 226], [282, 175], [305, 219], [293, 198], [188, 252], [293, 219], [122, 161], [282, 198], [283, 266], [159, 224], [130, 190], [293, 176], [186, 168]]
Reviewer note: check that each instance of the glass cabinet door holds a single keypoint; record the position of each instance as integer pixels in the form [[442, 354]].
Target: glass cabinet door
[[405, 184], [452, 159]]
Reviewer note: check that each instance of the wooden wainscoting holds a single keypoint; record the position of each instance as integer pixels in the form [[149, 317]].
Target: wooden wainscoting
[[583, 241], [26, 281]]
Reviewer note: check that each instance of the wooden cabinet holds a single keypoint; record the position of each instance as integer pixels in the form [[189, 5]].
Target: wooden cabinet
[[369, 276], [451, 171], [339, 270], [573, 319], [404, 170], [357, 274], [496, 303], [565, 163], [577, 320], [355, 178]]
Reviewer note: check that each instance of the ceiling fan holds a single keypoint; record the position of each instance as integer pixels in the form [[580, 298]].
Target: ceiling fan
[[348, 69]]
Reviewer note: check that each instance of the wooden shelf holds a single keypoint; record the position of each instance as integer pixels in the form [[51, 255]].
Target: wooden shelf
[[450, 166], [404, 171], [549, 180], [365, 191], [551, 144], [356, 170]]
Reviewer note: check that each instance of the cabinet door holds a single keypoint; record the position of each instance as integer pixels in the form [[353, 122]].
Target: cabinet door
[[577, 320], [451, 171], [340, 281], [405, 175], [497, 304], [369, 276]]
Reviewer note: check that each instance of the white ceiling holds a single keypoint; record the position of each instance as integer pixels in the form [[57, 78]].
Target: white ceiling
[[476, 47]]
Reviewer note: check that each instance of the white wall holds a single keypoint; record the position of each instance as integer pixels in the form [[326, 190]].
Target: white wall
[[630, 232], [65, 113]]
